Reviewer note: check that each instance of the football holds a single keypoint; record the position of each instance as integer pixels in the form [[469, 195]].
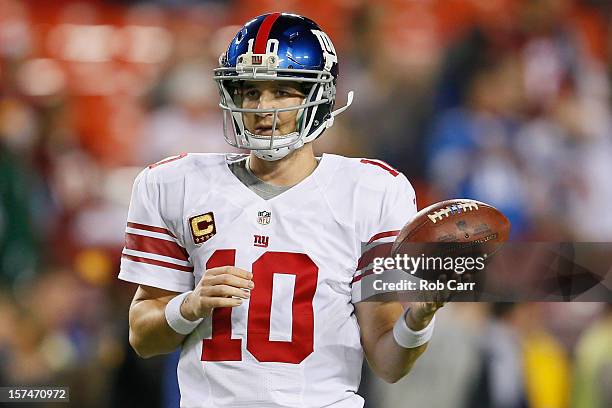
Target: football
[[453, 228]]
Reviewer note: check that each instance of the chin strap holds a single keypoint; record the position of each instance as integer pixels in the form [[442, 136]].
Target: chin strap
[[349, 101]]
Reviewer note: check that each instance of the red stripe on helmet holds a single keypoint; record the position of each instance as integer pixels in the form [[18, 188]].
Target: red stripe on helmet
[[264, 31]]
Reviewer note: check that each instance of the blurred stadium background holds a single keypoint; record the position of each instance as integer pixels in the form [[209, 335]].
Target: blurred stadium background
[[506, 101]]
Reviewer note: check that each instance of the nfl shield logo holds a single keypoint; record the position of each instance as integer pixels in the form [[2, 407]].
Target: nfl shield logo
[[263, 217]]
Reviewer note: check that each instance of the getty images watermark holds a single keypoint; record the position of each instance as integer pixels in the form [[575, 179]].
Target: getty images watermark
[[447, 265]]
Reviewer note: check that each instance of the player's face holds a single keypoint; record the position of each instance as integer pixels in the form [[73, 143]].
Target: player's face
[[271, 95]]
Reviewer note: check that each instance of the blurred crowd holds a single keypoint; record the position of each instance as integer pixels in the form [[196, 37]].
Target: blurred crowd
[[504, 101]]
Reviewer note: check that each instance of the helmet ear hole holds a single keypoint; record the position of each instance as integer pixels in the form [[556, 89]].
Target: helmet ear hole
[[234, 90], [305, 88]]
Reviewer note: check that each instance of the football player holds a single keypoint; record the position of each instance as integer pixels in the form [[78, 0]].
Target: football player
[[256, 265]]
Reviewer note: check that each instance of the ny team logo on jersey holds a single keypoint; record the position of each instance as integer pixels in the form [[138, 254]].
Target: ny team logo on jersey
[[261, 241], [263, 217], [202, 227]]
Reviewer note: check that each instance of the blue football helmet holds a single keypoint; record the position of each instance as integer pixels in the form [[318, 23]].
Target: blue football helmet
[[279, 47]]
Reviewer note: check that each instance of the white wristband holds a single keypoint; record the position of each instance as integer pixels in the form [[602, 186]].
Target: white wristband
[[408, 338], [175, 319]]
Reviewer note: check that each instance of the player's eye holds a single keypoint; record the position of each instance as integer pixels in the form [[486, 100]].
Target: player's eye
[[282, 93], [252, 93]]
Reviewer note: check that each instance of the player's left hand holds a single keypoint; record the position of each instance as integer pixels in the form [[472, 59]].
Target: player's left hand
[[421, 313]]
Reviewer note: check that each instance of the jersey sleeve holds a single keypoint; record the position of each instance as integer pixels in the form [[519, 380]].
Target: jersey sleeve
[[153, 255], [396, 208]]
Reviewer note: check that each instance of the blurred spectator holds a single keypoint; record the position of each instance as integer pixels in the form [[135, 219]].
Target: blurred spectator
[[18, 245], [470, 151], [442, 377], [501, 380], [522, 365], [190, 121], [546, 364], [593, 376]]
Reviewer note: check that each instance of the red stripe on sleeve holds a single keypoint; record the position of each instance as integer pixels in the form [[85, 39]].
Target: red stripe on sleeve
[[382, 165], [158, 263], [363, 275], [383, 234], [155, 246], [150, 228], [379, 251], [264, 31]]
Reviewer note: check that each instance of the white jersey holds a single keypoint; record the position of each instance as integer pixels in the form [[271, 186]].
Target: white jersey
[[296, 341]]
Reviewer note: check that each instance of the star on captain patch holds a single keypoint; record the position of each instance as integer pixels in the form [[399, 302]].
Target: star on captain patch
[[263, 217]]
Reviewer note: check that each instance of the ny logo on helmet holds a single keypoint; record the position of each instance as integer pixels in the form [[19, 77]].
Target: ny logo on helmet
[[252, 60], [329, 52]]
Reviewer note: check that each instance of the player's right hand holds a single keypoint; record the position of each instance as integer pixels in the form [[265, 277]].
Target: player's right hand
[[225, 286]]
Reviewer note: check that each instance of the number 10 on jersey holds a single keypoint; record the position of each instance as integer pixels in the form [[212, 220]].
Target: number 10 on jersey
[[221, 347]]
